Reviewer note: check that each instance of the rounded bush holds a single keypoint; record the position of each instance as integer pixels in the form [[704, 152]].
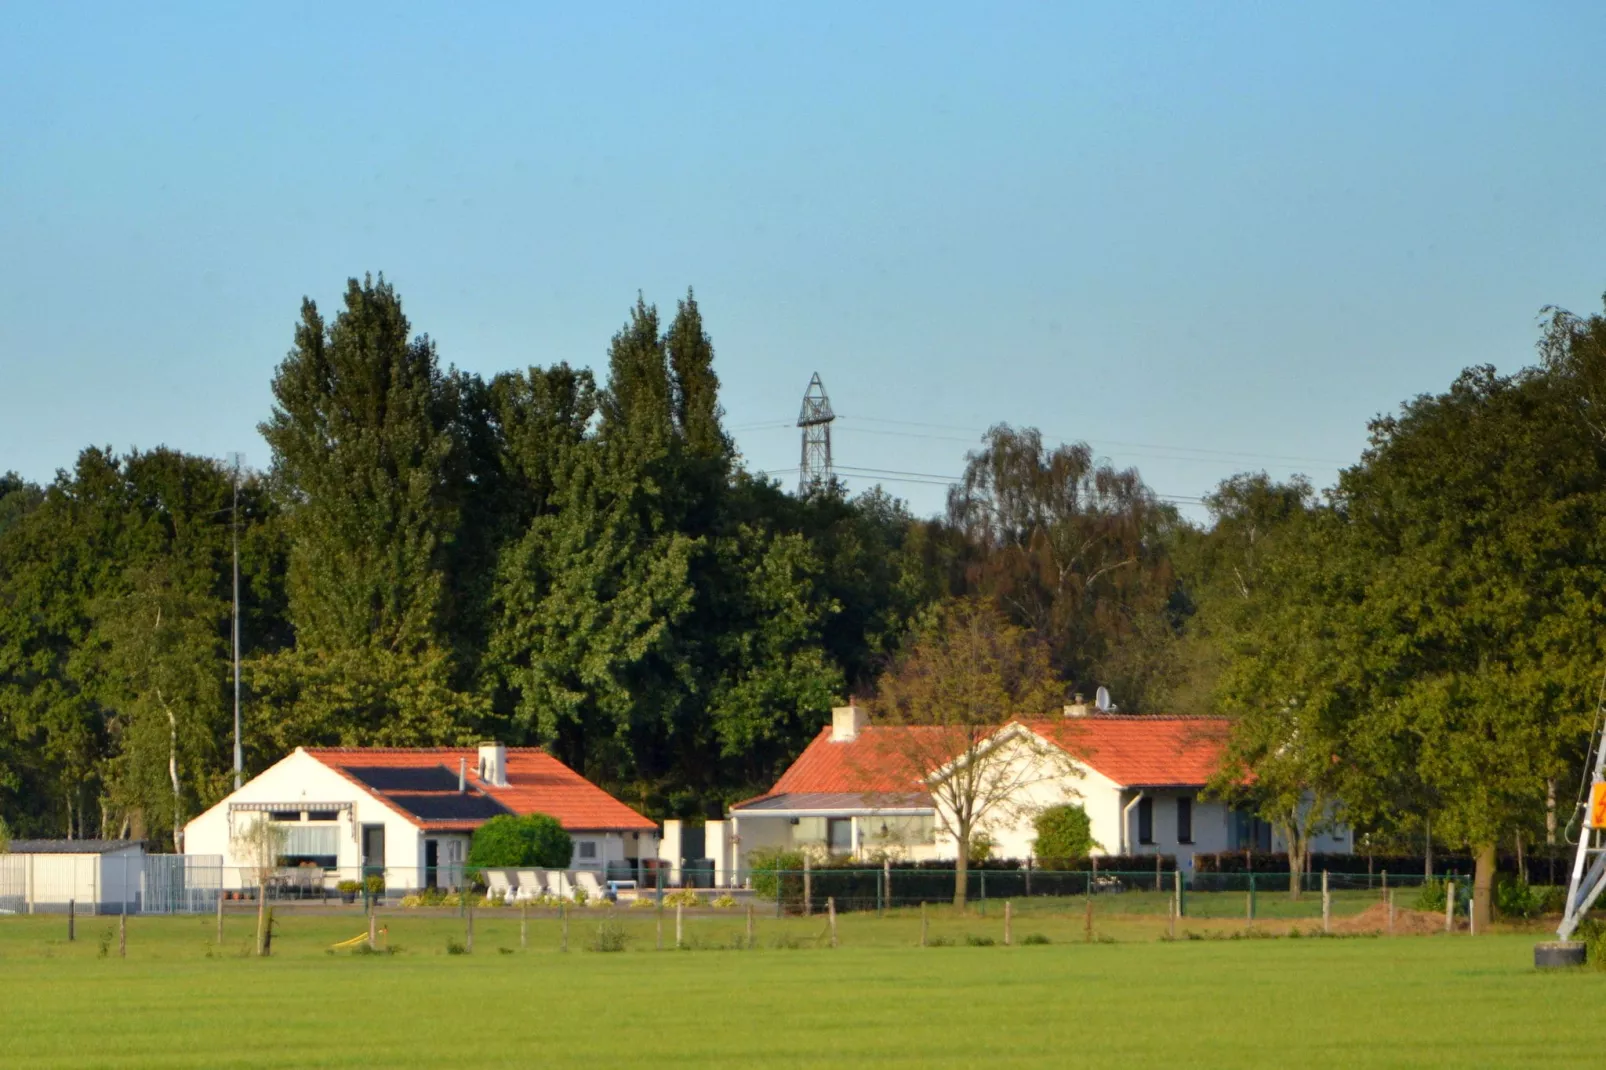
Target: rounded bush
[[533, 841], [1064, 833]]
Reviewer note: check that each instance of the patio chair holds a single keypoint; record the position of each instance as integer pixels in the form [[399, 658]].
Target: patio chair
[[589, 883], [498, 886], [532, 885], [559, 884]]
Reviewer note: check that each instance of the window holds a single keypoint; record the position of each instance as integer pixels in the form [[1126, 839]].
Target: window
[[1146, 820], [839, 835], [586, 849], [1184, 820]]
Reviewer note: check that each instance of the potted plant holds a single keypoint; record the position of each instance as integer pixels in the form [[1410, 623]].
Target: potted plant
[[376, 886], [348, 890]]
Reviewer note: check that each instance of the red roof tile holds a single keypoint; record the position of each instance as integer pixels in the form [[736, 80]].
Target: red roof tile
[[875, 761], [536, 783], [1137, 751], [1130, 750]]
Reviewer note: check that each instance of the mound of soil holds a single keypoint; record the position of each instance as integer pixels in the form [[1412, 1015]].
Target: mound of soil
[[1375, 919]]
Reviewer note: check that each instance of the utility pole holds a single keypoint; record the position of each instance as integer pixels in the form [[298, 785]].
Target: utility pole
[[234, 524], [814, 469]]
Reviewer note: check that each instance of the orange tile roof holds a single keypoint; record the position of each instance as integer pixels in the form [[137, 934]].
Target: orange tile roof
[[1138, 751], [536, 783], [875, 761], [1131, 750]]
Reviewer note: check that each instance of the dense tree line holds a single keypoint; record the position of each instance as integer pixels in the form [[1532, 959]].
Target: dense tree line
[[543, 557]]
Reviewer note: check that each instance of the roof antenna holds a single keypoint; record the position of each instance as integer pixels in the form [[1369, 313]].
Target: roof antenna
[[1101, 699]]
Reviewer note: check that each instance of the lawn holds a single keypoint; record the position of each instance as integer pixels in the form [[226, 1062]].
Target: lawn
[[179, 999]]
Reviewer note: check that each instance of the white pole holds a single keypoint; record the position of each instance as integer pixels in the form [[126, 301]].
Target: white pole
[[234, 523]]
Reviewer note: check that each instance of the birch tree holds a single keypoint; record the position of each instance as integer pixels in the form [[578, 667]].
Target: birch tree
[[948, 697]]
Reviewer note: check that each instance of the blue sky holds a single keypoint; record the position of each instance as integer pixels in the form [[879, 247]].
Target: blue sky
[[1205, 238]]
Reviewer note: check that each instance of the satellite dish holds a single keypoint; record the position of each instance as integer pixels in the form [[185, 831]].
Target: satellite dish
[[1101, 699]]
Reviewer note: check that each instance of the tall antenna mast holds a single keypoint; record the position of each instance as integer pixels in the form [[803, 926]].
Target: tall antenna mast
[[814, 471], [234, 525]]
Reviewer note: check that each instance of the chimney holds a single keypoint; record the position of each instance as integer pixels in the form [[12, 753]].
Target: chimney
[[847, 722], [1076, 708], [493, 764], [462, 776]]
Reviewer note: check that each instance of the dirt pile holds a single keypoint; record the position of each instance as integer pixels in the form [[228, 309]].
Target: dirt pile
[[1375, 919]]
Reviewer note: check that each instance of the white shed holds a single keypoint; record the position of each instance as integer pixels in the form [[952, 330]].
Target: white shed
[[96, 876]]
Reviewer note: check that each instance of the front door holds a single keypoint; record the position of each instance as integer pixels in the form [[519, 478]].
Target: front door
[[373, 849], [432, 860]]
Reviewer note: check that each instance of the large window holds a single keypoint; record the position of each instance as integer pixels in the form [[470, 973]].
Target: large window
[[839, 835], [1146, 820], [586, 849], [318, 844], [1184, 820]]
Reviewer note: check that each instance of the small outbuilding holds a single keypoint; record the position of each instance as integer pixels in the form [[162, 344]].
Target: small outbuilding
[[95, 876]]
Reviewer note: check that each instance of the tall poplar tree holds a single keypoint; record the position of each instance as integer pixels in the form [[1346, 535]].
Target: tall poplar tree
[[363, 434]]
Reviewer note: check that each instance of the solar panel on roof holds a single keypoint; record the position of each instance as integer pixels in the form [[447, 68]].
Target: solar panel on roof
[[405, 778], [452, 807]]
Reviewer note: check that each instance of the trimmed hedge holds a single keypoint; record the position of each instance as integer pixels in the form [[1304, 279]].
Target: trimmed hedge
[[508, 841], [857, 885]]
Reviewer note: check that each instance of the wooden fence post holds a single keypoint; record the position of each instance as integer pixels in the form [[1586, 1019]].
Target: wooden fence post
[[830, 909], [1158, 883], [1449, 906], [371, 931], [122, 934], [750, 925], [468, 934], [1390, 896], [524, 926], [1327, 906], [72, 919], [563, 916], [678, 923], [808, 887], [1007, 920], [922, 923]]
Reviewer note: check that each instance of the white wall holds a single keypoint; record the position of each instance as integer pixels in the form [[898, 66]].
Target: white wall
[[301, 780]]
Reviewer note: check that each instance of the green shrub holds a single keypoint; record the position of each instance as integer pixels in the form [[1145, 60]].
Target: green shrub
[[375, 885], [1430, 896], [723, 902], [349, 887], [767, 865], [1516, 898], [454, 947], [509, 841], [685, 897], [1064, 834], [972, 940], [1592, 934], [1034, 938]]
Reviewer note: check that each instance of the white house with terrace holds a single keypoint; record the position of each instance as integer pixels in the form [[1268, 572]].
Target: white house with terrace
[[857, 791], [409, 815]]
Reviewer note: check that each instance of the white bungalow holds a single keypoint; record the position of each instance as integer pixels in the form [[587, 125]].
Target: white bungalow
[[409, 814], [854, 791]]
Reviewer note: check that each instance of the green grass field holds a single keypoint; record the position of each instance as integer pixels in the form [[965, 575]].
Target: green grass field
[[179, 999]]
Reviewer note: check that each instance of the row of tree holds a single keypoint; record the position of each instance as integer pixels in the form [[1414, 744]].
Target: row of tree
[[435, 558], [432, 557]]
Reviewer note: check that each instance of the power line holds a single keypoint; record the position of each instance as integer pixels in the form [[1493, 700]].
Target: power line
[[977, 432]]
